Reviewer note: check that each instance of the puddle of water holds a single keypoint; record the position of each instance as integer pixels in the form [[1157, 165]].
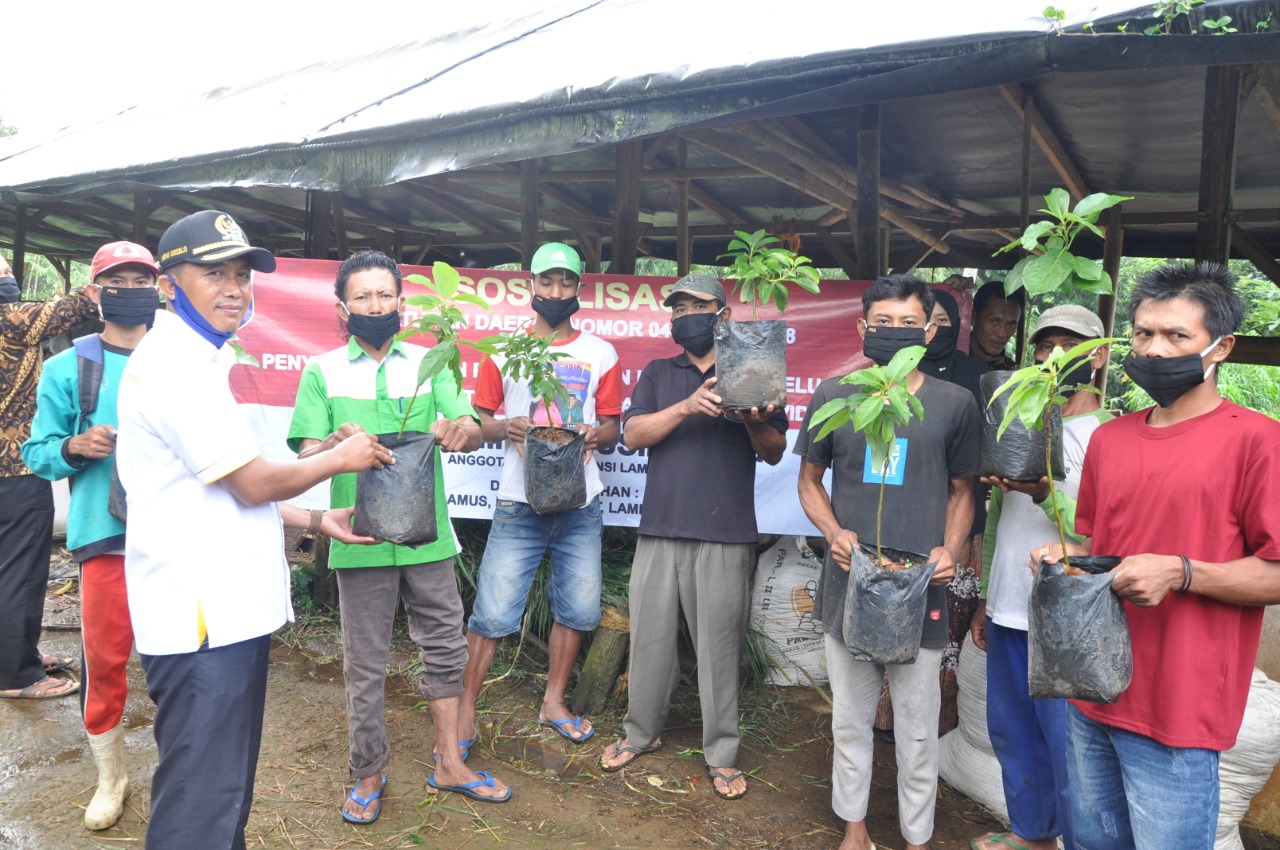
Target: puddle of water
[[548, 756]]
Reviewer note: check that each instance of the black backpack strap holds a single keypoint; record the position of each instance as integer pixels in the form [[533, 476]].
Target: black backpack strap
[[89, 360]]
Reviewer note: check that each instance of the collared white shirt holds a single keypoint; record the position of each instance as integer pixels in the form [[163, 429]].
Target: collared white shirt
[[192, 547]]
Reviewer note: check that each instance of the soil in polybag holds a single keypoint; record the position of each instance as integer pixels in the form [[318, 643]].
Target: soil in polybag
[[884, 606], [398, 502], [116, 504], [751, 364], [1078, 638], [1019, 454], [555, 477]]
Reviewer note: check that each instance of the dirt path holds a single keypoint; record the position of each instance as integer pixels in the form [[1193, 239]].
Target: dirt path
[[561, 797]]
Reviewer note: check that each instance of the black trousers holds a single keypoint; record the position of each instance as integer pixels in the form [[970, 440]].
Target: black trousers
[[209, 707], [26, 537]]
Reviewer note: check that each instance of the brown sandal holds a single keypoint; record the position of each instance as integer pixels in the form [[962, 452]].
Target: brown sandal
[[619, 748], [43, 689]]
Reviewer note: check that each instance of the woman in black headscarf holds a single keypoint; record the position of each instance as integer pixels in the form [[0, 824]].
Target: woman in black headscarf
[[942, 359]]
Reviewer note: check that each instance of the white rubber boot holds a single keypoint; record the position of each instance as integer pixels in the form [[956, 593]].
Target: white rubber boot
[[113, 780]]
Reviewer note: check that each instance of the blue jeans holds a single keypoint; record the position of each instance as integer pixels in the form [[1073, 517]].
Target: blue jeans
[[517, 541], [1030, 741], [1131, 792]]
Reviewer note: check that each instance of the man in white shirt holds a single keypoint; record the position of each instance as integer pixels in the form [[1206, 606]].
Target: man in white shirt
[[204, 564]]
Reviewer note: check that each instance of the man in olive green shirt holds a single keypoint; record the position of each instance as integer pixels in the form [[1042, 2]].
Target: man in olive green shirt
[[367, 385]]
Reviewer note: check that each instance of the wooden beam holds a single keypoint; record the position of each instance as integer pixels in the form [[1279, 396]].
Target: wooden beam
[[649, 174], [19, 264], [653, 147], [1253, 251], [1267, 91], [913, 259], [461, 212], [1218, 161], [626, 208], [1049, 143], [451, 187], [837, 252], [339, 225], [1112, 253], [684, 244], [528, 211], [1259, 350], [140, 214], [866, 236]]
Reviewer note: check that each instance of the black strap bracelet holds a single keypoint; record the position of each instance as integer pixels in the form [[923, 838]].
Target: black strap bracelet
[[1186, 574]]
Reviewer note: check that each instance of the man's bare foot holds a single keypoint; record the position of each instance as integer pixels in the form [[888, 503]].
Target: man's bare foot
[[729, 783], [446, 776], [988, 842], [856, 837], [621, 753], [47, 688], [554, 715], [365, 789]]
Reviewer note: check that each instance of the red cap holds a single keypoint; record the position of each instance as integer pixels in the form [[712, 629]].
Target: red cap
[[118, 254]]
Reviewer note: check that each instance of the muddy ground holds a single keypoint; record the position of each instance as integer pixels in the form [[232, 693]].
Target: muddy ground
[[561, 797]]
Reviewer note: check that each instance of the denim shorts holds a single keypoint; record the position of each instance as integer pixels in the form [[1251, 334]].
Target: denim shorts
[[517, 541]]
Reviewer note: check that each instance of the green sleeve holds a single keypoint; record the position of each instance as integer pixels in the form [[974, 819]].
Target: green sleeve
[[56, 420], [1067, 508], [989, 539], [312, 412], [451, 402]]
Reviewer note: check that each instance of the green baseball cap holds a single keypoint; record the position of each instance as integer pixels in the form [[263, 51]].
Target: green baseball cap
[[704, 287], [556, 255]]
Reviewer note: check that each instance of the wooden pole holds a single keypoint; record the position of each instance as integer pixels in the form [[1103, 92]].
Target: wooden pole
[[870, 263], [626, 212], [1024, 211], [20, 247], [528, 211], [684, 244], [1217, 162], [140, 215], [1112, 252]]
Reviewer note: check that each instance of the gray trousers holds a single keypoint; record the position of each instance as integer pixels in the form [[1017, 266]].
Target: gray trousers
[[711, 583], [855, 689], [367, 600]]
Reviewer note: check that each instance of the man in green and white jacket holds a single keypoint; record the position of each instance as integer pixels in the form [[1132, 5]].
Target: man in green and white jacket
[[367, 385], [1030, 736]]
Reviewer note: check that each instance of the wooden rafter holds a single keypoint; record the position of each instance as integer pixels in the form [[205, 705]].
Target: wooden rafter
[[1218, 161], [460, 190], [1253, 251], [1049, 143], [461, 212], [1266, 89]]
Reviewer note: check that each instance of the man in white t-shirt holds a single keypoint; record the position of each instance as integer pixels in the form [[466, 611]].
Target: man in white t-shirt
[[1030, 736], [204, 560], [519, 536]]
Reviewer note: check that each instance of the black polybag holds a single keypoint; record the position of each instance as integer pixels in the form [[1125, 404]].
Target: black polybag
[[1078, 638], [398, 502], [554, 475], [884, 609], [117, 505], [751, 364], [1019, 454]]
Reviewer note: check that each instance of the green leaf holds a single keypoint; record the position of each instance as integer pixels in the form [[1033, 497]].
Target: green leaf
[[1059, 202], [904, 361], [822, 414], [469, 298], [1102, 285], [446, 279], [1090, 206], [1086, 268], [867, 412], [1031, 236], [434, 361], [1049, 271]]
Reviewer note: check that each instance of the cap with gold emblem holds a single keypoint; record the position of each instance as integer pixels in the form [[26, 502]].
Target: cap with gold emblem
[[209, 237]]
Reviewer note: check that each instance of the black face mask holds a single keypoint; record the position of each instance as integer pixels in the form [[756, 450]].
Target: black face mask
[[880, 344], [375, 330], [9, 289], [1079, 375], [1167, 379], [695, 332], [556, 311], [129, 307], [942, 344]]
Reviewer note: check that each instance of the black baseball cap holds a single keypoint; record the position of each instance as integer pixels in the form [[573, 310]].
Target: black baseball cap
[[210, 237]]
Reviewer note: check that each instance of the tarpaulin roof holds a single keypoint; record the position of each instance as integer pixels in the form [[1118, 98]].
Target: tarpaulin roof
[[420, 137]]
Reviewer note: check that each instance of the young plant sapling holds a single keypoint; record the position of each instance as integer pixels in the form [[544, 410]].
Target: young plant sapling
[[763, 269], [529, 357], [878, 408]]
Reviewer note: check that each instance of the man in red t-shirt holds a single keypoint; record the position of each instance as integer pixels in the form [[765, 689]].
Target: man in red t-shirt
[[1188, 493]]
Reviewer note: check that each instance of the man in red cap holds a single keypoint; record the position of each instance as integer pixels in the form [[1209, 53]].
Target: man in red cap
[[26, 501], [73, 436]]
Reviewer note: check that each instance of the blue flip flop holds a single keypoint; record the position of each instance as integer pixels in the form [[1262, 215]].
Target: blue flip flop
[[468, 788], [575, 722], [464, 745], [365, 801]]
